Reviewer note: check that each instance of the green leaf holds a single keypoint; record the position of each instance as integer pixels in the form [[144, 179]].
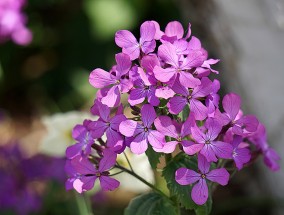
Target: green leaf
[[153, 157], [150, 204], [185, 113], [182, 193], [204, 209]]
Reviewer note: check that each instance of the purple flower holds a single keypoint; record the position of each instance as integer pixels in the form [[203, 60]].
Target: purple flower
[[241, 125], [143, 133], [113, 83], [212, 148], [130, 46], [191, 97], [174, 31], [199, 193], [241, 154], [271, 157], [108, 125], [179, 68], [83, 173], [177, 132], [144, 87], [212, 100], [82, 134]]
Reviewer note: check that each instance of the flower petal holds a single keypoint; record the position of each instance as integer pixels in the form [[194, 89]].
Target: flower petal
[[176, 104], [148, 115], [190, 147], [222, 149], [199, 109], [139, 145], [199, 193], [123, 63], [174, 28], [125, 39], [220, 176], [100, 78], [186, 176], [164, 75], [165, 125], [112, 97], [108, 160], [156, 139], [187, 79], [108, 184], [128, 128], [231, 104], [167, 53], [168, 147], [137, 96]]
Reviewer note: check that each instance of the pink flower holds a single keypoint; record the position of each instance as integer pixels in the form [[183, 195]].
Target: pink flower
[[130, 46], [199, 193]]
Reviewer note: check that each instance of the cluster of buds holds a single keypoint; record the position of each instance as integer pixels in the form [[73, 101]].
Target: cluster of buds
[[175, 106]]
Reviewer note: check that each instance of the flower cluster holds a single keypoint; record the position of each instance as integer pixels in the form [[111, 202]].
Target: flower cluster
[[174, 105], [13, 21]]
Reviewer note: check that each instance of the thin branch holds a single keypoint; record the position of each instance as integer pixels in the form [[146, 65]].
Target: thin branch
[[128, 161]]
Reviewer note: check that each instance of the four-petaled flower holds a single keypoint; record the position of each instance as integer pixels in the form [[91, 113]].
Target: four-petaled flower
[[199, 193]]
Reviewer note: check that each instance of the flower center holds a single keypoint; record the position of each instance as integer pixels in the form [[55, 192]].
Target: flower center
[[146, 129], [207, 142], [203, 176], [179, 139], [98, 174]]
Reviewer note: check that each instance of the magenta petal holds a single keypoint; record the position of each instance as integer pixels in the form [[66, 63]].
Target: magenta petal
[[168, 147], [156, 139], [164, 75], [114, 139], [152, 98], [148, 46], [125, 39], [78, 185], [176, 104], [104, 111], [222, 149], [78, 132], [148, 62], [108, 184], [186, 176], [167, 53], [199, 109], [199, 193], [133, 51], [112, 97], [88, 182], [197, 135], [174, 28], [108, 160], [194, 43], [100, 78], [147, 31], [220, 176], [165, 125], [73, 150], [180, 89], [128, 128], [98, 129], [213, 128], [231, 104], [148, 115], [139, 145], [208, 153], [193, 59], [187, 80], [164, 92], [125, 85], [83, 165], [203, 164], [123, 63], [190, 147], [204, 89], [116, 120], [186, 126], [241, 156], [137, 96]]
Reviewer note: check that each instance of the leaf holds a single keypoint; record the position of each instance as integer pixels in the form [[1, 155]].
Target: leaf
[[153, 157], [184, 114], [150, 204], [181, 192], [204, 209]]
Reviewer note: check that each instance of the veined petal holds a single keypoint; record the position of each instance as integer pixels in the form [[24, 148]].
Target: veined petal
[[222, 149], [180, 88], [190, 147], [208, 153], [123, 63], [241, 156], [83, 166], [203, 164], [112, 97], [137, 96], [133, 51], [187, 125], [194, 44], [193, 59], [199, 193], [164, 92], [147, 31], [139, 145], [100, 78], [124, 39], [165, 125], [98, 128], [156, 139], [199, 109], [197, 134], [148, 115], [104, 111], [108, 184], [213, 128], [148, 62], [231, 104], [186, 176], [88, 182], [128, 128], [164, 75], [187, 79], [108, 160], [220, 176], [114, 140], [176, 104], [204, 89], [174, 28], [148, 46], [167, 53], [168, 147]]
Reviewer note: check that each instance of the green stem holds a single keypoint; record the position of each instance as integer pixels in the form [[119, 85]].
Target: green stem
[[128, 161], [84, 204], [141, 179]]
